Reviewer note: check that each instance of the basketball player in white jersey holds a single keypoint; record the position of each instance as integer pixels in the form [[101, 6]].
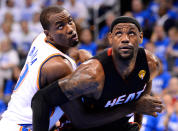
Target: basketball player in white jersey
[[46, 62]]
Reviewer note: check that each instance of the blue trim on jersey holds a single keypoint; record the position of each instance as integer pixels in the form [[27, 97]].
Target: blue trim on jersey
[[50, 43], [42, 66], [25, 126]]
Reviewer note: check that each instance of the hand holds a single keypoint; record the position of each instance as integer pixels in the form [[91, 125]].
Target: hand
[[84, 55], [79, 55], [149, 105], [73, 52]]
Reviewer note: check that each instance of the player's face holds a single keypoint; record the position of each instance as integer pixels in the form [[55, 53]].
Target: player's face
[[62, 30], [125, 38]]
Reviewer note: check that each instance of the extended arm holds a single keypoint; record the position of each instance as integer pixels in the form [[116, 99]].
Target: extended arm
[[84, 81], [88, 80], [81, 118]]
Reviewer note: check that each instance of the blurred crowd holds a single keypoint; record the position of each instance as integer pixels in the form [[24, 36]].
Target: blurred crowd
[[19, 21]]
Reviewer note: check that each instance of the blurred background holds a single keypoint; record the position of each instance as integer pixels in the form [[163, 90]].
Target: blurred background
[[19, 21]]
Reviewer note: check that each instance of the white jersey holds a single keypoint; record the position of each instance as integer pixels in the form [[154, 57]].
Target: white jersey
[[19, 108]]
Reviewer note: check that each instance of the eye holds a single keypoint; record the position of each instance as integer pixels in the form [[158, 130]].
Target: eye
[[118, 33], [60, 27], [131, 33]]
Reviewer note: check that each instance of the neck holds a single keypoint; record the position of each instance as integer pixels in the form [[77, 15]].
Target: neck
[[124, 67]]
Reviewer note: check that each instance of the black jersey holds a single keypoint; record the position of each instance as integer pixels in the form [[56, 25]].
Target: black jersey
[[118, 91]]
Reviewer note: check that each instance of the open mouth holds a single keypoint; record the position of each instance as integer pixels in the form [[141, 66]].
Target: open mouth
[[74, 37]]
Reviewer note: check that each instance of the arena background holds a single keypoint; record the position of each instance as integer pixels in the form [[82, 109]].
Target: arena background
[[19, 21]]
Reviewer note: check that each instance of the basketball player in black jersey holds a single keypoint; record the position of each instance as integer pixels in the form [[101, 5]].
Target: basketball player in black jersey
[[109, 86]]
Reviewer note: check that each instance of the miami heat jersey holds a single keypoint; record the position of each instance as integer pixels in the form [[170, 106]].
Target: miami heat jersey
[[19, 108], [118, 91]]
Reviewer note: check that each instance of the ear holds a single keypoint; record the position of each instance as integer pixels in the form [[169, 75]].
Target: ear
[[109, 38], [141, 37], [48, 35]]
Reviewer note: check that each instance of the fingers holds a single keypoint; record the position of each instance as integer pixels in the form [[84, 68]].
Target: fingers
[[155, 99], [157, 107], [150, 105], [154, 114], [151, 99], [154, 109]]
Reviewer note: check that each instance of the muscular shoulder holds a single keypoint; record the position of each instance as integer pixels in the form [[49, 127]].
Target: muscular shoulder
[[88, 79], [55, 68], [92, 66], [93, 69], [153, 64]]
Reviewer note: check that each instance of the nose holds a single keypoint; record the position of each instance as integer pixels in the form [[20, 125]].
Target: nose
[[125, 39], [69, 29]]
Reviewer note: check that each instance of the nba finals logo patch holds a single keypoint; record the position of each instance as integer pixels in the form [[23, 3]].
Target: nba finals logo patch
[[141, 74]]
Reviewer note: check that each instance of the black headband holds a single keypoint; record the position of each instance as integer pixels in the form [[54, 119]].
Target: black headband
[[125, 19]]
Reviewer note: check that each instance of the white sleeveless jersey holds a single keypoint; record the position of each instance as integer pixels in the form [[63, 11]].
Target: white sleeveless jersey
[[19, 108]]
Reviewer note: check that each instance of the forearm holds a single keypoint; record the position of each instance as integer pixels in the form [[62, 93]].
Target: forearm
[[40, 114], [45, 99], [82, 119]]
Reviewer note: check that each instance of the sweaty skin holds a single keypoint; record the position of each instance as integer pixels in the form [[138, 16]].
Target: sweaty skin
[[88, 80], [124, 44], [62, 32], [91, 73]]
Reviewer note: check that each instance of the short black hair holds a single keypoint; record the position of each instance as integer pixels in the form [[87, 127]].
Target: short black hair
[[125, 19], [46, 13]]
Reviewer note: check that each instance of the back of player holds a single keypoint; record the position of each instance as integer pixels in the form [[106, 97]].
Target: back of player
[[19, 112]]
